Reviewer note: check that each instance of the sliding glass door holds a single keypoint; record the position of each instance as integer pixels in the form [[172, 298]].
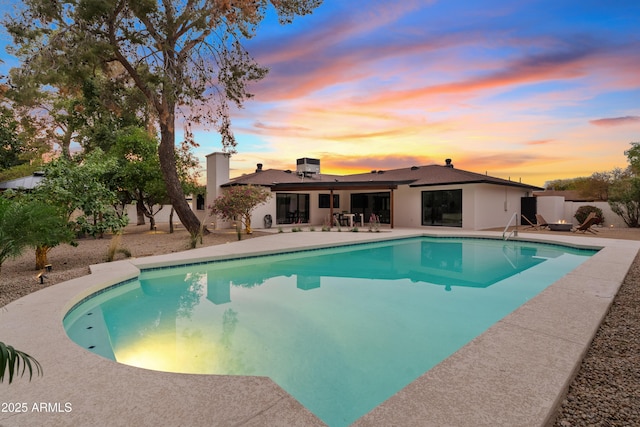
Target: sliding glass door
[[378, 204], [292, 208]]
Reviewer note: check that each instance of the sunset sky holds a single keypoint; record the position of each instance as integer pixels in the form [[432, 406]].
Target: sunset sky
[[527, 90], [531, 90]]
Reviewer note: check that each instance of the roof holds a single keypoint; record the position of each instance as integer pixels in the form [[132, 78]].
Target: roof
[[24, 183], [415, 176]]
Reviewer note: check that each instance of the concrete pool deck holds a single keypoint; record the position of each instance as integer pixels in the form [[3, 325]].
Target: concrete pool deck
[[514, 374]]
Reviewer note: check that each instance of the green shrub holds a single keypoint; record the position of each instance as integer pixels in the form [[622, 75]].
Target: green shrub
[[583, 211]]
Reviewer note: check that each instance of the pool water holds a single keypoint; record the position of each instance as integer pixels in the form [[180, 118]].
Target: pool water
[[340, 329]]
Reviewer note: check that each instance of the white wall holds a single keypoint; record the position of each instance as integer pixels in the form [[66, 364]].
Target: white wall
[[483, 205], [217, 175], [610, 218], [489, 206], [258, 214], [407, 206], [552, 208]]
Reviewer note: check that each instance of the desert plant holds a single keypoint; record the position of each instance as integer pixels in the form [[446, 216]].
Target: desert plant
[[326, 223], [583, 211], [374, 223], [114, 248], [624, 200], [25, 222], [194, 238], [13, 225], [238, 201], [11, 359]]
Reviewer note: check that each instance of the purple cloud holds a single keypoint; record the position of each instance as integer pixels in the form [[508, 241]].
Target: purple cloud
[[616, 121]]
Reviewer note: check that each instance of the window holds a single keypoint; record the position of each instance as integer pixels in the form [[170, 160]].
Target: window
[[442, 207], [292, 208], [324, 199]]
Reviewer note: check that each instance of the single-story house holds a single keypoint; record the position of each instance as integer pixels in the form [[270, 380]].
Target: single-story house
[[415, 196]]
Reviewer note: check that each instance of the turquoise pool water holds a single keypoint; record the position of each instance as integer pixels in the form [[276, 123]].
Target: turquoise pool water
[[340, 329]]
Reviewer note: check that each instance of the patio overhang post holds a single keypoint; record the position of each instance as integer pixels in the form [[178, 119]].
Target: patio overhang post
[[330, 208], [391, 210]]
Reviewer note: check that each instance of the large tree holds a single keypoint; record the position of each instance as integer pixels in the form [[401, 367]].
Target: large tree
[[20, 147], [633, 157], [80, 188], [178, 54], [137, 176]]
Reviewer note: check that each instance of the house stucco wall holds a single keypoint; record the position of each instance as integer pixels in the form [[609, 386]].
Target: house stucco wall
[[407, 207], [490, 206], [483, 205]]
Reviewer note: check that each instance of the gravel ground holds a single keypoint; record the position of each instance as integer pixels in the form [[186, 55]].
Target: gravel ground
[[18, 276], [605, 391]]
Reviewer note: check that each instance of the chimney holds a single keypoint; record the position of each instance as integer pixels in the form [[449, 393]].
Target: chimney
[[448, 163], [259, 167]]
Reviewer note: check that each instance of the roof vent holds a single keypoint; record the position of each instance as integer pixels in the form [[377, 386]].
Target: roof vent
[[448, 163], [374, 171], [414, 168], [287, 171], [380, 172]]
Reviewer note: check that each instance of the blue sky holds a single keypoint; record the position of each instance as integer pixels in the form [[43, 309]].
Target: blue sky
[[531, 90]]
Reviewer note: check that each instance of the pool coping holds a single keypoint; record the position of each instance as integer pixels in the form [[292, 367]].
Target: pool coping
[[515, 373]]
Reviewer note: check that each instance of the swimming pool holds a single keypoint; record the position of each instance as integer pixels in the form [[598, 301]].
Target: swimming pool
[[340, 329]]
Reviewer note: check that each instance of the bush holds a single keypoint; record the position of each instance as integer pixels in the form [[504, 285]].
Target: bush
[[583, 211]]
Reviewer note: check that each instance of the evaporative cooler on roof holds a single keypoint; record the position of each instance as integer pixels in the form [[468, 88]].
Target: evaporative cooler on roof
[[307, 166]]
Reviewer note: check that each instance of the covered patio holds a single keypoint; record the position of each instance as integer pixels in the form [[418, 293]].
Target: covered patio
[[359, 190]]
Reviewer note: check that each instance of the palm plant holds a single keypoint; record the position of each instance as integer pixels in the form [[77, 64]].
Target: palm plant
[[15, 362], [13, 226]]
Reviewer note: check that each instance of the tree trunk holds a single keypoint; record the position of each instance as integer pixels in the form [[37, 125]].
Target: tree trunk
[[152, 223], [167, 154], [140, 213], [171, 220], [247, 223], [41, 257], [65, 143]]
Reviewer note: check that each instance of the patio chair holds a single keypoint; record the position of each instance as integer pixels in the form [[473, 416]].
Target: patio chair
[[341, 220], [531, 224], [586, 225], [542, 223]]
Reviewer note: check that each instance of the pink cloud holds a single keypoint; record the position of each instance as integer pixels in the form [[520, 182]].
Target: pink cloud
[[549, 66], [338, 164], [539, 142], [268, 128], [616, 121]]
